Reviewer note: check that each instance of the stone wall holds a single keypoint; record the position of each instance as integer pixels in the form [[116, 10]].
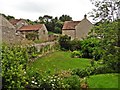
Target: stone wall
[[70, 33], [83, 28], [43, 33], [7, 30]]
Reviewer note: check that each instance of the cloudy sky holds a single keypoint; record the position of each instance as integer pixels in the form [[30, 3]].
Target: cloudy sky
[[32, 9]]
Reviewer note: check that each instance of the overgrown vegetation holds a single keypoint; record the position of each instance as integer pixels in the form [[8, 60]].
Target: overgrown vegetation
[[14, 61], [16, 75], [102, 46]]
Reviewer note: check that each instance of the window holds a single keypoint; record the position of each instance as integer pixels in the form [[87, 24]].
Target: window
[[43, 31]]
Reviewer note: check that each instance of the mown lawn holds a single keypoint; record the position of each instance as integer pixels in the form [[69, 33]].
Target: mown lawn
[[58, 61], [104, 81]]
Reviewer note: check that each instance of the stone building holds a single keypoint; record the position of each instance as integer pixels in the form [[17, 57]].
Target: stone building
[[18, 23], [7, 31], [40, 29], [77, 29]]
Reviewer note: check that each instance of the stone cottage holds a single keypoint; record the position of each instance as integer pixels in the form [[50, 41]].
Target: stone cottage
[[77, 29], [40, 29], [18, 23], [7, 31]]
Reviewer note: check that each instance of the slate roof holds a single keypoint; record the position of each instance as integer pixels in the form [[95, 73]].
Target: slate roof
[[31, 27], [70, 25]]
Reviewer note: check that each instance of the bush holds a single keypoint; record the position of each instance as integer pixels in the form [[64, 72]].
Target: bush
[[92, 71], [80, 72], [76, 54], [37, 80], [72, 82], [64, 42], [32, 36], [67, 44], [75, 45], [52, 82], [90, 48], [14, 60], [32, 51]]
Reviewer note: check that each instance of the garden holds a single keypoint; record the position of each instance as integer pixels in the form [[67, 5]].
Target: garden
[[92, 62]]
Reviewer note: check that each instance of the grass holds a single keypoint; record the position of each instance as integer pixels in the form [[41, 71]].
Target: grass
[[103, 81], [57, 62]]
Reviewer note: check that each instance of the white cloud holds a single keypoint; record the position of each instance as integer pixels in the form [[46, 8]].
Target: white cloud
[[32, 9]]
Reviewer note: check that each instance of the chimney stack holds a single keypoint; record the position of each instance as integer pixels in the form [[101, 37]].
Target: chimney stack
[[85, 16]]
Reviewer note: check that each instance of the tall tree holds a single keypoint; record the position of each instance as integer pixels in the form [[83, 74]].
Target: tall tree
[[108, 31], [64, 18], [105, 9], [41, 19], [8, 17]]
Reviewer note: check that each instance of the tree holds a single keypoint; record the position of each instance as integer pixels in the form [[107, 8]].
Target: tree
[[47, 18], [64, 42], [54, 24], [64, 18], [108, 32], [41, 19], [8, 17], [105, 9]]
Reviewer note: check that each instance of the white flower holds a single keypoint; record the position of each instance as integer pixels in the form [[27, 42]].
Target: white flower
[[52, 84], [39, 85], [24, 72], [44, 80], [53, 79], [33, 82]]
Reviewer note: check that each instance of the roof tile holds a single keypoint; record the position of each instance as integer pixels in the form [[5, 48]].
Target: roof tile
[[70, 25], [31, 27], [14, 21]]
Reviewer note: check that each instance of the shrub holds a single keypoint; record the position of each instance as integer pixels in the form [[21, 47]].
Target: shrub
[[72, 82], [14, 59], [32, 51], [64, 42], [76, 54], [75, 45], [90, 48], [80, 72], [92, 70], [32, 36]]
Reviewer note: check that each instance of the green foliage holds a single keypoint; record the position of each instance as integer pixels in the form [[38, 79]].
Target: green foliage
[[32, 52], [105, 10], [64, 42], [8, 17], [107, 30], [38, 41], [37, 80], [65, 18], [93, 71], [72, 82], [76, 54], [67, 44], [32, 36], [14, 61], [52, 24], [80, 72], [90, 48], [75, 45], [108, 34]]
